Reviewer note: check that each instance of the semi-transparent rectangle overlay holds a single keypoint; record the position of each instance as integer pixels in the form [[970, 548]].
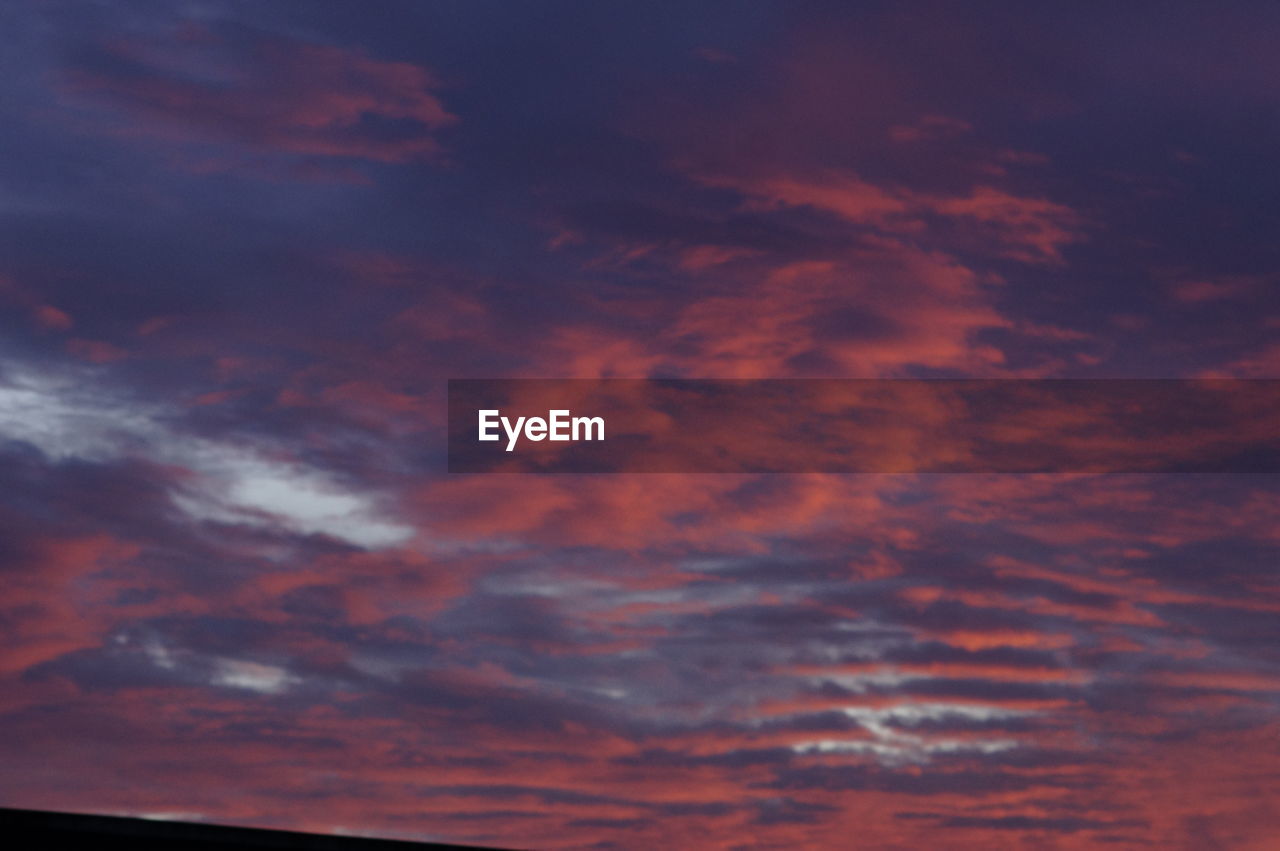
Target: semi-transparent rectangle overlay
[[864, 426]]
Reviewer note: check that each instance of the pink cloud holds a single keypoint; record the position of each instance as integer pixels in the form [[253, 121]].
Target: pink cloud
[[1024, 228], [274, 94]]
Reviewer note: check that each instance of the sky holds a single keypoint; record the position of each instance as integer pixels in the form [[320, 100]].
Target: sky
[[244, 245]]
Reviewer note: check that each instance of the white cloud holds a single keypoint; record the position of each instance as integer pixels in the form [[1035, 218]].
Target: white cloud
[[252, 676], [904, 749], [72, 414], [894, 746], [221, 671]]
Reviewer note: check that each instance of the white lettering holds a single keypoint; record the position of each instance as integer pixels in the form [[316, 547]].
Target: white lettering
[[587, 423], [488, 421], [559, 420], [558, 426], [512, 433]]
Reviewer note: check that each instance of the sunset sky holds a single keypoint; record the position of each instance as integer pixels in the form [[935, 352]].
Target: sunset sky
[[244, 245]]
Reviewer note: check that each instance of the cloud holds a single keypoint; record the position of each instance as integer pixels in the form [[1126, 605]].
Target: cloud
[[263, 92], [985, 219], [882, 310], [233, 573], [70, 414]]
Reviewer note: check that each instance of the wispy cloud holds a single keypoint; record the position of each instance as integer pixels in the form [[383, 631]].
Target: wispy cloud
[[74, 415]]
